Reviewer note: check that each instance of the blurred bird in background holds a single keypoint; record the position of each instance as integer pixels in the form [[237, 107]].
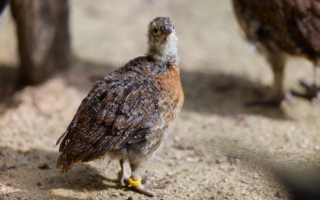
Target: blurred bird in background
[[125, 116], [280, 28]]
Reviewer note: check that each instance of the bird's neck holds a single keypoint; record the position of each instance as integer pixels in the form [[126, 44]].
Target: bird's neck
[[161, 56]]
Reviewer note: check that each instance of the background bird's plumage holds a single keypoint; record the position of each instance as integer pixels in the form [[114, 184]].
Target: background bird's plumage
[[293, 25]]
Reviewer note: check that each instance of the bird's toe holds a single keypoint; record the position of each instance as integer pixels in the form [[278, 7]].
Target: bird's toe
[[144, 188], [311, 91]]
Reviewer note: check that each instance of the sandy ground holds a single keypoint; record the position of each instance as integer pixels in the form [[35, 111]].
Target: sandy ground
[[218, 72]]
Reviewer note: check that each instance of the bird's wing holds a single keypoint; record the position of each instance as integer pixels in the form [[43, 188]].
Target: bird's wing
[[111, 117]]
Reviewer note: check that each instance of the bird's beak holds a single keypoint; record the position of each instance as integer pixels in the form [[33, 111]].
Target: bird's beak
[[167, 31]]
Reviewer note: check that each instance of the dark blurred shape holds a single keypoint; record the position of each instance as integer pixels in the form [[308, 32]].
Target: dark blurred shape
[[43, 34], [3, 4], [303, 184], [45, 166], [280, 27]]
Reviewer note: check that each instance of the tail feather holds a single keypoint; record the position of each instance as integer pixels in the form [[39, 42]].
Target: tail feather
[[64, 164]]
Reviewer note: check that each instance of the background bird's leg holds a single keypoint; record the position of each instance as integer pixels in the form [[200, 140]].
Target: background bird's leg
[[317, 76], [276, 95], [311, 90], [317, 81], [124, 172], [278, 64]]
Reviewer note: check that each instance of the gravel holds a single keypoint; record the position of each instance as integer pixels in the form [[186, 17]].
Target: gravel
[[218, 72]]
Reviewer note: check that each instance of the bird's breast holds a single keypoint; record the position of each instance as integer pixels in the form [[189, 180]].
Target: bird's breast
[[172, 97]]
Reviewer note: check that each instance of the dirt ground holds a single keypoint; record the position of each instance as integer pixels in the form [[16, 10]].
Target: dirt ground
[[218, 72]]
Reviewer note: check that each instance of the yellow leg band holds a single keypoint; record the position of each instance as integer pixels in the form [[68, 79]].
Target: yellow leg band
[[134, 183]]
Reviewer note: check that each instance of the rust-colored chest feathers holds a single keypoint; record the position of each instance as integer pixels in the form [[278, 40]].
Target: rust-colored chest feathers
[[170, 84], [127, 107]]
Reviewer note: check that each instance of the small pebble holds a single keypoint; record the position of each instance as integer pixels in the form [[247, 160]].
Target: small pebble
[[40, 183], [45, 166], [223, 159]]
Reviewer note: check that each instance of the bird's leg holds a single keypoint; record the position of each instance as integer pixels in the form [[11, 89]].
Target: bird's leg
[[317, 76], [276, 94], [312, 91], [124, 172], [135, 181]]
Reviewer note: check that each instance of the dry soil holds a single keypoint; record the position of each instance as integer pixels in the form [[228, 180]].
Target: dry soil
[[218, 72]]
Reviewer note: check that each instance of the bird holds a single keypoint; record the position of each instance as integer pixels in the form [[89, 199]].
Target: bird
[[126, 115], [278, 28]]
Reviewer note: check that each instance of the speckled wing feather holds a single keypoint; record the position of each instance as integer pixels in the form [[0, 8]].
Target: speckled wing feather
[[112, 116], [294, 25]]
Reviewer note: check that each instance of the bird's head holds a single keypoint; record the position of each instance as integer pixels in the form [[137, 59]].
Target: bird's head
[[162, 39]]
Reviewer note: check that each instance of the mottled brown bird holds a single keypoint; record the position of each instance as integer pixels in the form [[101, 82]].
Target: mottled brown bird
[[125, 116], [278, 28]]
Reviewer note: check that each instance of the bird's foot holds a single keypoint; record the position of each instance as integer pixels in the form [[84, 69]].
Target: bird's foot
[[124, 177], [124, 180], [268, 99], [311, 91], [142, 188]]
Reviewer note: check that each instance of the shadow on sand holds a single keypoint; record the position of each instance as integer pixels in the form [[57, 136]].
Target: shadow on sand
[[29, 179], [206, 93]]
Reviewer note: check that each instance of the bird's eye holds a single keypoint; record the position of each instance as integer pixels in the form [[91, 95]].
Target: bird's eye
[[155, 30]]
